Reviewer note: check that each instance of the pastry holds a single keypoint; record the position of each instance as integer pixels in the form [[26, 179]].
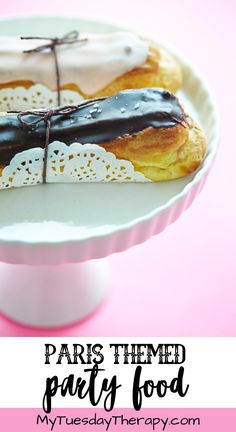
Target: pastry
[[145, 127], [92, 64]]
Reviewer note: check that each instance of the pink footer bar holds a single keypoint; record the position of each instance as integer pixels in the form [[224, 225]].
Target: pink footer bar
[[119, 420]]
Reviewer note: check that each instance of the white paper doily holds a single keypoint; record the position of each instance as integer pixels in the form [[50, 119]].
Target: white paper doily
[[68, 164], [35, 97]]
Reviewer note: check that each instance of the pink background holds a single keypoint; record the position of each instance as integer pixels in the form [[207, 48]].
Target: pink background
[[216, 420], [182, 282]]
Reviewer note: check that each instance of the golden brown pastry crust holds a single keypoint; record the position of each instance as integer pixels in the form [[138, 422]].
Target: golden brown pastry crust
[[160, 70], [164, 153]]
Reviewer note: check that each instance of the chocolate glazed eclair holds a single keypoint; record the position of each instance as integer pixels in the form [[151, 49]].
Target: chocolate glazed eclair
[[147, 127]]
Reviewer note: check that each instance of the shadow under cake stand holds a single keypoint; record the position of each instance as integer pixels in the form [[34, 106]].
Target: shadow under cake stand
[[54, 238]]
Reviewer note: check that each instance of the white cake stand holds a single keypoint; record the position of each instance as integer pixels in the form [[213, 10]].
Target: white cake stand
[[54, 238]]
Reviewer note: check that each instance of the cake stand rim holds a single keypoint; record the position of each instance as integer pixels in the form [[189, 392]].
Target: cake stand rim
[[172, 202]]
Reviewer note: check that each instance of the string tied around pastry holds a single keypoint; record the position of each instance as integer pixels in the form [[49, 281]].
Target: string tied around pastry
[[46, 116], [68, 39]]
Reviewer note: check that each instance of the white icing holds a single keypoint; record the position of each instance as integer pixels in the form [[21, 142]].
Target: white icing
[[68, 164], [91, 65]]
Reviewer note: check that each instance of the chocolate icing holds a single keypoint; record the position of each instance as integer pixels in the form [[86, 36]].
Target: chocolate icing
[[128, 112]]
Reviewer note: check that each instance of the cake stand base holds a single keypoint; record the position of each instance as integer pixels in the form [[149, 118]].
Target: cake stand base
[[52, 296]]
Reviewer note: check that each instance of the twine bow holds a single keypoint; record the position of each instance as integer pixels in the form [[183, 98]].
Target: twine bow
[[46, 116], [68, 39]]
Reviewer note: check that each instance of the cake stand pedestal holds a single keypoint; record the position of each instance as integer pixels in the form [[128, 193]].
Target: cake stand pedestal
[[49, 296]]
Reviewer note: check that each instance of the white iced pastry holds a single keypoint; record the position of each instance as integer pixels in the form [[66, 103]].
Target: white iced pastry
[[90, 65]]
